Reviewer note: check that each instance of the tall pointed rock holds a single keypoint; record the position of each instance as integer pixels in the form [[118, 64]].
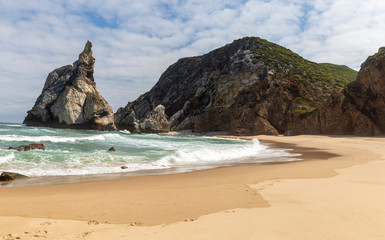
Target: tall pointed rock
[[70, 99]]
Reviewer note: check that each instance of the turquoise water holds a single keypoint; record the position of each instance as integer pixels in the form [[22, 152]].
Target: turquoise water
[[83, 152]]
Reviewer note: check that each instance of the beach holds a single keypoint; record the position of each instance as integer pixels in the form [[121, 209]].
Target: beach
[[336, 192]]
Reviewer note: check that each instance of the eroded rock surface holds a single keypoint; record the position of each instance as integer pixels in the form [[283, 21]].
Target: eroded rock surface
[[29, 147], [248, 87], [70, 98], [358, 110], [10, 176]]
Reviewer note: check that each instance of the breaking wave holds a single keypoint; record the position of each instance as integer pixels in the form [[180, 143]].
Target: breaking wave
[[81, 152], [54, 139]]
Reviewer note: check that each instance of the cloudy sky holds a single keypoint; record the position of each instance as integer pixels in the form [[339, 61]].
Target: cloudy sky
[[135, 41]]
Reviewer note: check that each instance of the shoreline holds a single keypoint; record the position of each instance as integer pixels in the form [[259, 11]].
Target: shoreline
[[70, 179], [196, 200]]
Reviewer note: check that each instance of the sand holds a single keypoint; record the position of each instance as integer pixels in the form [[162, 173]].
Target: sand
[[338, 192]]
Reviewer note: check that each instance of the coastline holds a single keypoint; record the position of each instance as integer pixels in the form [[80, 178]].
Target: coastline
[[224, 202], [67, 179]]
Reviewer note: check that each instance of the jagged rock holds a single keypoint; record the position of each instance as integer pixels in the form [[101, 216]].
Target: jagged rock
[[127, 121], [358, 110], [112, 149], [28, 147], [9, 176], [250, 86], [155, 122], [70, 98]]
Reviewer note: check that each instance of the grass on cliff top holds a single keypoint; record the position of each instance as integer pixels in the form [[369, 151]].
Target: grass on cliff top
[[304, 112], [325, 75]]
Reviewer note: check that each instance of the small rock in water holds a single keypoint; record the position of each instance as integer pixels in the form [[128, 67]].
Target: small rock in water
[[9, 176], [28, 147], [112, 149], [123, 167]]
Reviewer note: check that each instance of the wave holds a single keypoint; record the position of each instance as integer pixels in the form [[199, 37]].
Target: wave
[[54, 139], [217, 155], [11, 125], [139, 152], [7, 158], [83, 170], [182, 160]]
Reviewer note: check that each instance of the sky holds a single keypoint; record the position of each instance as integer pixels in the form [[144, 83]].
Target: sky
[[135, 41]]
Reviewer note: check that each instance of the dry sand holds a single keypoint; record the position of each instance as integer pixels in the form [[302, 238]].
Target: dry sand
[[335, 195]]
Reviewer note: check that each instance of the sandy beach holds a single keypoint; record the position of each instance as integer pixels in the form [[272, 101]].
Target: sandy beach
[[336, 192]]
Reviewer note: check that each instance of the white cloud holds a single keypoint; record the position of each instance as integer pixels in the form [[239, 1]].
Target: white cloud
[[343, 32], [135, 41]]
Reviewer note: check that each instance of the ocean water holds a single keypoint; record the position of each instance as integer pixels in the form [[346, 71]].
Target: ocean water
[[82, 152]]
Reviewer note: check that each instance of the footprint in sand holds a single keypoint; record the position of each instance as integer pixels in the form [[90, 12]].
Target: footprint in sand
[[45, 223], [86, 234], [10, 237], [264, 185], [38, 234], [93, 222]]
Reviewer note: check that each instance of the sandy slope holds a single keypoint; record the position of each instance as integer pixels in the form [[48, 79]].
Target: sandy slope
[[337, 198]]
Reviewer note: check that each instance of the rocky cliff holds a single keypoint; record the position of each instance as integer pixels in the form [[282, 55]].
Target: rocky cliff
[[70, 98], [358, 110], [250, 86]]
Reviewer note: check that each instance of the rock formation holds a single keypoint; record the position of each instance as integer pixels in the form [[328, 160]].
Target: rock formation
[[25, 148], [111, 149], [70, 98], [10, 176], [250, 86], [155, 120], [358, 110]]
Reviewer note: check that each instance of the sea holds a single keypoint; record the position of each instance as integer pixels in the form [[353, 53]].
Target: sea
[[82, 155]]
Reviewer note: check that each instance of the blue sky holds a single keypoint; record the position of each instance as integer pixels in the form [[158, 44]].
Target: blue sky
[[135, 41]]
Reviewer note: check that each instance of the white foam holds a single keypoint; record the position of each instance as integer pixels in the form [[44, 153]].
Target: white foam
[[82, 169], [125, 131], [57, 151], [184, 153], [54, 139], [7, 158], [213, 154], [10, 125]]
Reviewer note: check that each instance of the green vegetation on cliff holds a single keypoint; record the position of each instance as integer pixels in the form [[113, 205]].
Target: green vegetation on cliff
[[248, 87], [326, 76]]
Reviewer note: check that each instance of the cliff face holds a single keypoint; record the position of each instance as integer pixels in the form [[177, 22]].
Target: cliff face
[[358, 110], [70, 98], [250, 86]]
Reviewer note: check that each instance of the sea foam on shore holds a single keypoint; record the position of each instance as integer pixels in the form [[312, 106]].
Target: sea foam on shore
[[81, 152]]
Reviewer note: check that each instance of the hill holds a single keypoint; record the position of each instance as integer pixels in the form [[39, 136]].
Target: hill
[[248, 87]]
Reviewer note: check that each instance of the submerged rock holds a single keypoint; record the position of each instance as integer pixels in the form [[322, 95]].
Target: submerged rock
[[28, 147], [9, 176], [70, 98], [112, 149]]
